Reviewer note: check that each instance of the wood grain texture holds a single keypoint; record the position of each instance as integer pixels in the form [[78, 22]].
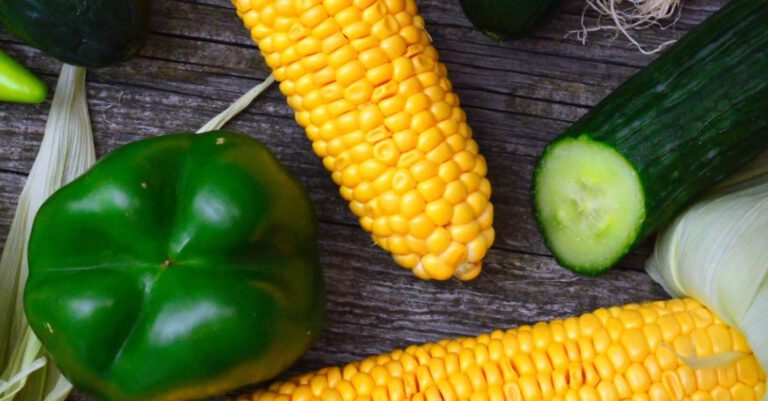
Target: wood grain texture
[[518, 96]]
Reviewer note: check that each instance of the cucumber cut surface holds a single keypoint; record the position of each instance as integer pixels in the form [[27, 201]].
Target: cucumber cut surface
[[675, 129], [590, 203]]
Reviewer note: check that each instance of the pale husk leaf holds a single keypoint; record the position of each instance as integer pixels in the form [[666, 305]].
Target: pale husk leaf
[[717, 252], [66, 152]]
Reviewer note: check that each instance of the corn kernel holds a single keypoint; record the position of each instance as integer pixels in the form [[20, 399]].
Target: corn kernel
[[455, 253], [397, 245], [313, 16], [670, 327], [411, 204], [462, 214], [687, 379], [410, 33], [423, 121], [374, 136], [436, 268], [635, 343], [339, 107], [449, 172], [421, 226], [336, 6], [385, 91], [438, 241], [370, 117], [364, 42], [392, 105], [398, 122], [423, 170], [687, 324], [381, 74], [409, 87], [652, 368], [417, 103], [431, 189], [683, 345], [331, 93], [638, 378], [741, 392], [721, 394], [586, 349], [440, 211], [334, 42], [350, 72], [706, 379], [390, 202], [403, 181], [618, 357], [359, 92], [374, 10], [428, 139], [385, 28], [404, 17], [410, 158], [398, 224]]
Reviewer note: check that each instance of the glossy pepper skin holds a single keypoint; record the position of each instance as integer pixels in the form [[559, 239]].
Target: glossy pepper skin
[[178, 267], [18, 84]]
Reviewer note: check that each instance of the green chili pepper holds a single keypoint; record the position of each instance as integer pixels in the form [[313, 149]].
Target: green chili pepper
[[18, 84], [177, 268]]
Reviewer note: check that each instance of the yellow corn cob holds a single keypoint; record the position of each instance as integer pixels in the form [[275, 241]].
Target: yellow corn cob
[[620, 353], [365, 82]]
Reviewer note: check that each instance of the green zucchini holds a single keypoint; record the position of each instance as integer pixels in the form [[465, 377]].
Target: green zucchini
[[508, 19], [88, 33], [685, 122]]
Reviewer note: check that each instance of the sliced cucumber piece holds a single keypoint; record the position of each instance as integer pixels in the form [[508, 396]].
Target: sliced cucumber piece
[[689, 119], [590, 203]]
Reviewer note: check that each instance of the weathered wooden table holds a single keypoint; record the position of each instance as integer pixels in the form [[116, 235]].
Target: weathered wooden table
[[518, 96]]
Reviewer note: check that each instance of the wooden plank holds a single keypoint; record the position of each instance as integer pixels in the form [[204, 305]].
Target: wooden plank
[[517, 95], [507, 170]]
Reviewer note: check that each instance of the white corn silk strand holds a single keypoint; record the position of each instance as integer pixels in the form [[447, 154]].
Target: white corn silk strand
[[626, 16], [717, 252], [65, 152]]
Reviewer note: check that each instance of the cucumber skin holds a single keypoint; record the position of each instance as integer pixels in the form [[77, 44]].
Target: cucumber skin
[[88, 33], [690, 118], [508, 19]]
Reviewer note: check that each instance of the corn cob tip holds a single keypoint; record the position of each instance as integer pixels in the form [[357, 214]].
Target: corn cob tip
[[468, 271], [465, 272], [437, 269], [367, 84]]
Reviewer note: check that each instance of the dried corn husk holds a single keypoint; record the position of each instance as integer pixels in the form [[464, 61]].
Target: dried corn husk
[[239, 105], [66, 151]]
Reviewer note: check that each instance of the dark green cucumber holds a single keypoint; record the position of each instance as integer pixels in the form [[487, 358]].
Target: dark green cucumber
[[685, 122], [508, 19], [88, 33]]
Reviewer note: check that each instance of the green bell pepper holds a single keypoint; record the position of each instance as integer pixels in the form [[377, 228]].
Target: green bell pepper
[[18, 84], [177, 268]]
